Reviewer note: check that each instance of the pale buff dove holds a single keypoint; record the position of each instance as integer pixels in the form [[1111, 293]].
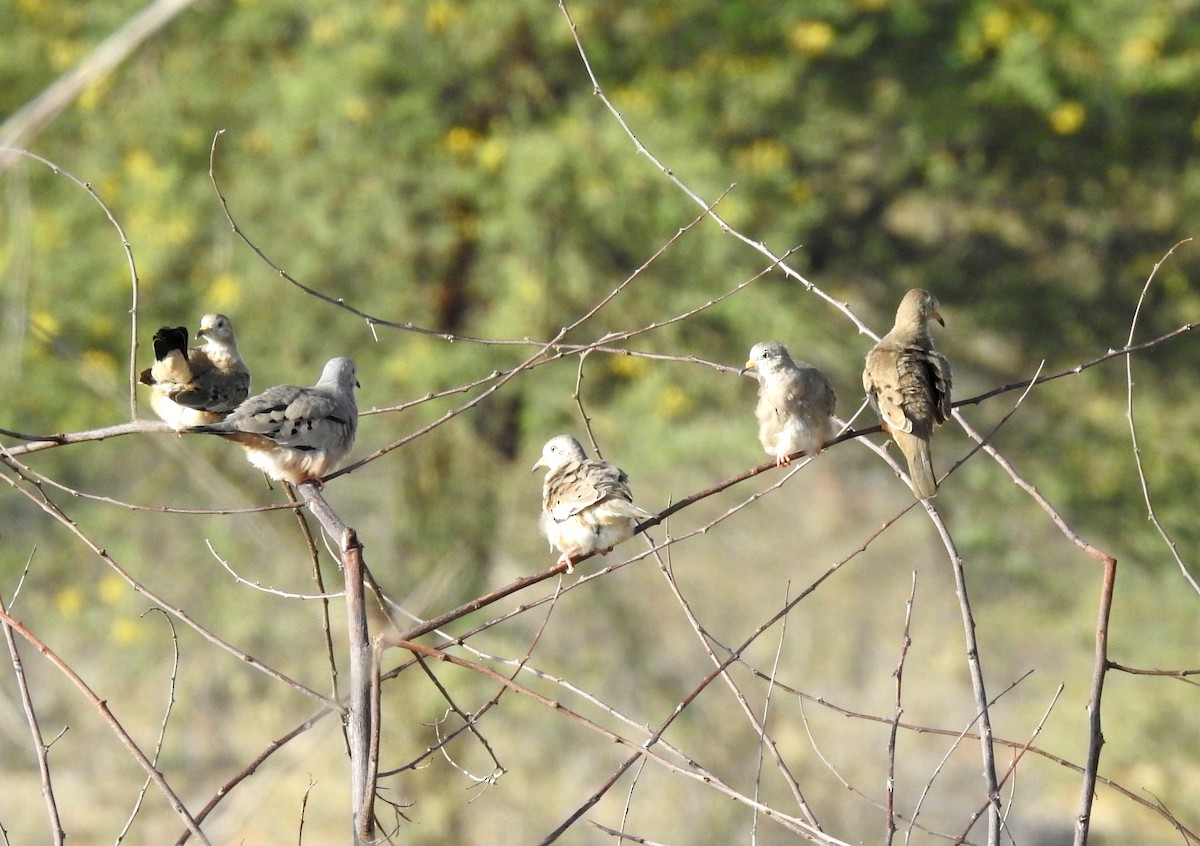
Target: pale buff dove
[[795, 402], [908, 382], [200, 385], [296, 434], [586, 503]]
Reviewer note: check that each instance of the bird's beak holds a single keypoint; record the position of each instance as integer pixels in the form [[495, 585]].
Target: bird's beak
[[202, 332], [750, 365], [357, 383], [538, 465], [937, 315]]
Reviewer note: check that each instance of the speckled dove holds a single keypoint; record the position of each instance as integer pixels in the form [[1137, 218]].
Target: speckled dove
[[296, 434], [586, 503], [795, 402], [200, 385], [908, 382]]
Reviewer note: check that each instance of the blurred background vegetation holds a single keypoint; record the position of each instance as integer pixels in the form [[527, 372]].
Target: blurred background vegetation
[[446, 163]]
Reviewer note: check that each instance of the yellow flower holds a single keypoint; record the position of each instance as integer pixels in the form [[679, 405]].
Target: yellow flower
[[176, 230], [673, 403], [356, 110], [324, 30], [111, 589], [492, 154], [126, 630], [439, 16], [142, 168], [392, 16], [91, 96], [64, 53], [224, 291], [99, 362], [811, 38], [45, 326], [1068, 117], [627, 366], [800, 190], [1139, 51], [764, 157], [997, 26], [461, 139], [69, 601], [634, 99]]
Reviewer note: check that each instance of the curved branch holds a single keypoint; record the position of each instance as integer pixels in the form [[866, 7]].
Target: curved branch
[[107, 715]]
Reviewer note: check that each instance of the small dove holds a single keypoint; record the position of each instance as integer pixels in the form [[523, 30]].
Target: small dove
[[200, 385], [586, 503], [908, 382], [795, 402], [296, 434]]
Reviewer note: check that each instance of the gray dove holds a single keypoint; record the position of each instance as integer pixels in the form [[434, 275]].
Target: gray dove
[[795, 402], [296, 434], [908, 382], [200, 385], [586, 503]]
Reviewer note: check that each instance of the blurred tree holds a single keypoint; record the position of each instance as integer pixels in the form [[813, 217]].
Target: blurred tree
[[446, 162]]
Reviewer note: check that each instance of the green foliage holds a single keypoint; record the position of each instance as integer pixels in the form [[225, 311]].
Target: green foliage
[[446, 163]]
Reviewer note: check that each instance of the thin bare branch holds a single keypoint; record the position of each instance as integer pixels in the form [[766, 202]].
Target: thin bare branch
[[40, 749], [314, 557], [889, 832], [975, 665], [692, 771], [138, 28], [759, 726], [696, 198], [992, 801], [54, 511], [1019, 753], [162, 727], [621, 835], [107, 715], [1137, 451], [1179, 674], [362, 726], [250, 769], [825, 702], [260, 587], [1100, 664]]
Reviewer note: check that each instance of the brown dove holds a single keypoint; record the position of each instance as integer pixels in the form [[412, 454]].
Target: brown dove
[[200, 385], [296, 434], [908, 382], [586, 503], [795, 402]]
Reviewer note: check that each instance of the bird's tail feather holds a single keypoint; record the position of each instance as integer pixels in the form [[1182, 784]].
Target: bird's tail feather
[[208, 429], [920, 463], [628, 509]]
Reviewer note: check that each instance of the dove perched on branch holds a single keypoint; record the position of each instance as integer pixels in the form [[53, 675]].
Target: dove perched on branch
[[908, 382], [296, 434], [795, 402], [586, 503], [200, 385]]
